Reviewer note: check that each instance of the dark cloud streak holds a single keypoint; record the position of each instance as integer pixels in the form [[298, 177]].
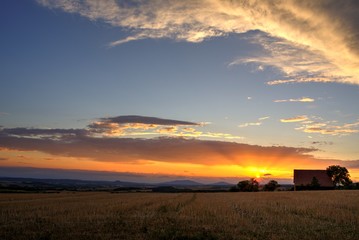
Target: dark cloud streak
[[163, 149], [40, 132], [145, 120], [122, 125], [82, 143]]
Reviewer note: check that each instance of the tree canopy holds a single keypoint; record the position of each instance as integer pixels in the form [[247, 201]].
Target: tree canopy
[[339, 175], [251, 185], [271, 185]]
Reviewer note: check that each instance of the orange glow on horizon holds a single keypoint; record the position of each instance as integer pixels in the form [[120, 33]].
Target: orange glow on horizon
[[31, 159], [271, 170]]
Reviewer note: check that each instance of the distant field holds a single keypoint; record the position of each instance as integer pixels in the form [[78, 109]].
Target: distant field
[[261, 215]]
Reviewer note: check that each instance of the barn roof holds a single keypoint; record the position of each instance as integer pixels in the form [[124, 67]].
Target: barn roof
[[305, 177]]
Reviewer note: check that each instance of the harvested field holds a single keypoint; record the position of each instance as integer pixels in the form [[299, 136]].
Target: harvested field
[[102, 215]]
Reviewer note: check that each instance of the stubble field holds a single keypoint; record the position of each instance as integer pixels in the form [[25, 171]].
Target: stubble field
[[101, 215]]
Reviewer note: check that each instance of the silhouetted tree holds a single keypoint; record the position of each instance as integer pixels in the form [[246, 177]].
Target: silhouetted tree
[[352, 186], [250, 185], [314, 184], [271, 185], [339, 175]]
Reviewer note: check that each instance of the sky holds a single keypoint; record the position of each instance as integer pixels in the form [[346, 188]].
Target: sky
[[150, 91]]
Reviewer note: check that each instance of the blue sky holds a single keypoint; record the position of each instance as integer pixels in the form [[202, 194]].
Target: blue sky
[[63, 67]]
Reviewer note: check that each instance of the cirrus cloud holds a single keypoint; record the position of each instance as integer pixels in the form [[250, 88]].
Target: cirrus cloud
[[303, 99], [299, 38], [257, 123], [134, 125], [315, 124], [329, 128], [294, 119]]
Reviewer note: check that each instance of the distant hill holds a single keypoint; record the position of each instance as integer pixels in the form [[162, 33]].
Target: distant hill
[[34, 184], [180, 183], [62, 184]]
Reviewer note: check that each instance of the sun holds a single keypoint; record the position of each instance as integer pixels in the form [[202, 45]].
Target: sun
[[257, 172]]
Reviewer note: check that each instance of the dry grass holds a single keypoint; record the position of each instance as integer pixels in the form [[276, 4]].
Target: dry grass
[[262, 215]]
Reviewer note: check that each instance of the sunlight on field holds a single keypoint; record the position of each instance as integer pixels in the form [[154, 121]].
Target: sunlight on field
[[264, 215]]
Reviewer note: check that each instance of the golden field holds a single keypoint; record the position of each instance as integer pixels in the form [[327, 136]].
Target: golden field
[[102, 215]]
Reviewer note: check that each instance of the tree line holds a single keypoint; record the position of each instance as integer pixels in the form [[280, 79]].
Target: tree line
[[252, 185], [339, 176]]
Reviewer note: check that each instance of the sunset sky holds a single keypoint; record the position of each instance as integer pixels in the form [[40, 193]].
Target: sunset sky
[[151, 91]]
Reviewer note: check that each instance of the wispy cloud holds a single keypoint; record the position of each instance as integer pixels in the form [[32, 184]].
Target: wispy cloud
[[250, 124], [314, 124], [297, 63], [322, 143], [133, 125], [124, 126], [136, 125], [263, 118], [294, 119], [302, 40], [127, 39], [257, 123], [171, 129], [308, 78], [303, 99], [329, 128]]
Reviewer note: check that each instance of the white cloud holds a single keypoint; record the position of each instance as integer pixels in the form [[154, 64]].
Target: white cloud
[[250, 124], [135, 125], [257, 123], [314, 124], [305, 79], [263, 118], [329, 128], [303, 99], [297, 63], [294, 119], [302, 40]]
